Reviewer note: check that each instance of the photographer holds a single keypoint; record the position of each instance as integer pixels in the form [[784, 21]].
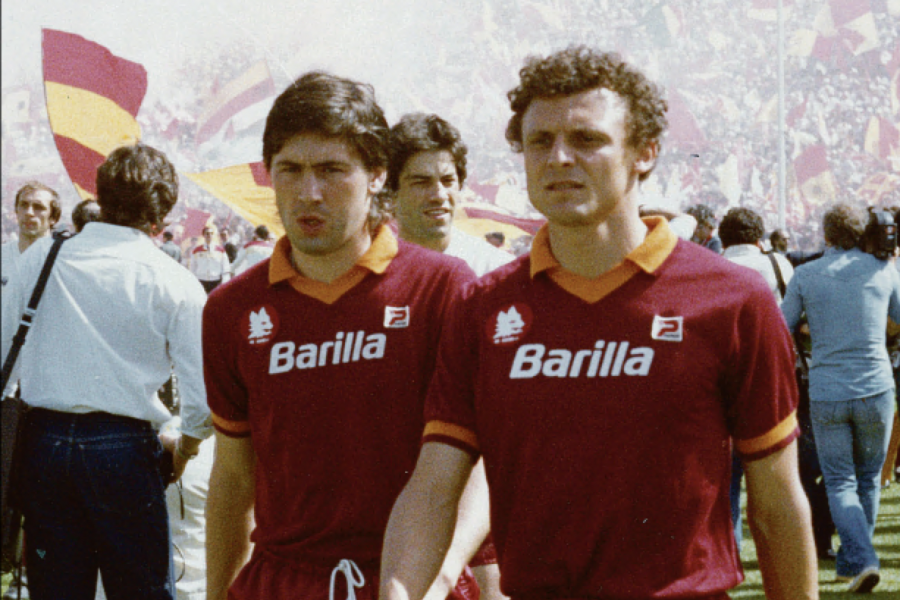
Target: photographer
[[847, 295]]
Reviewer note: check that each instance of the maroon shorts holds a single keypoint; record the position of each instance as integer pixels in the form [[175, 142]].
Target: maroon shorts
[[486, 555], [269, 577]]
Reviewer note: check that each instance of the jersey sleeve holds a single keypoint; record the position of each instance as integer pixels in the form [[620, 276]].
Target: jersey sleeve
[[225, 390], [760, 384], [450, 408]]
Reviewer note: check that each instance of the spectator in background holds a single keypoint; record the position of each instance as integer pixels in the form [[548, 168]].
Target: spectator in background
[[230, 242], [681, 224], [847, 296], [706, 227], [741, 232], [209, 261], [426, 172], [115, 317], [256, 250], [85, 212], [37, 212], [170, 247], [495, 238], [779, 239]]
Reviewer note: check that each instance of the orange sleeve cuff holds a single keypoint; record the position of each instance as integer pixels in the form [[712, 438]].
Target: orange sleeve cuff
[[771, 440], [231, 428], [454, 435]]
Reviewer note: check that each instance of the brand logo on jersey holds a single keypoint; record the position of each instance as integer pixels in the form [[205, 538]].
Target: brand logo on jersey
[[344, 348], [508, 325], [606, 359], [670, 329], [396, 317], [260, 325]]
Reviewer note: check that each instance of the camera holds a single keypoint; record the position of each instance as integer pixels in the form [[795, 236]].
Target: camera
[[880, 237]]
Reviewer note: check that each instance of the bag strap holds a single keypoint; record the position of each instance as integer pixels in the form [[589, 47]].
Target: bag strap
[[28, 315], [777, 268]]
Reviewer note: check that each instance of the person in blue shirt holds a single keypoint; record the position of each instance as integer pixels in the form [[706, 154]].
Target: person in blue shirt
[[847, 296]]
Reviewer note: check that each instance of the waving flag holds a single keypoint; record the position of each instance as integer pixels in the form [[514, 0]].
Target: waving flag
[[855, 25], [245, 188], [876, 187], [814, 176], [882, 138], [479, 219], [93, 98], [242, 101]]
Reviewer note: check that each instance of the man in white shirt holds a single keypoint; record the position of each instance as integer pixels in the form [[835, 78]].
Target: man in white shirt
[[255, 251], [209, 261], [427, 170], [741, 232], [37, 211], [117, 316]]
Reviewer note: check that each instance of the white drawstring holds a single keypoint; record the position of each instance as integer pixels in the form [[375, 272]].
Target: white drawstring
[[354, 577]]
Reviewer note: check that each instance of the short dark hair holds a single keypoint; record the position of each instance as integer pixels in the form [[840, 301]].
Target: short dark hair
[[420, 132], [262, 232], [741, 226], [704, 214], [36, 186], [168, 236], [495, 235], [844, 225], [137, 187], [579, 69], [332, 106], [86, 211]]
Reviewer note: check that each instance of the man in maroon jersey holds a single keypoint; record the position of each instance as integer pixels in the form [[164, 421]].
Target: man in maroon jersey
[[317, 362], [605, 379]]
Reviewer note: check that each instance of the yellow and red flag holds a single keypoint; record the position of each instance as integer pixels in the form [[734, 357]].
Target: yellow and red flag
[[247, 189], [882, 138], [245, 95], [814, 176], [478, 219], [93, 98]]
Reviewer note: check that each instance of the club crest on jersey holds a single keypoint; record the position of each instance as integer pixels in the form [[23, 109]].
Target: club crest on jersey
[[260, 325], [509, 324], [396, 317], [669, 329]]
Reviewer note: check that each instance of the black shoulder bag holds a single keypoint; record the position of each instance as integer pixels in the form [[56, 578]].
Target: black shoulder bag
[[13, 416]]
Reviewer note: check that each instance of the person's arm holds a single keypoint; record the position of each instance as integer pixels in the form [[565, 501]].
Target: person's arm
[[229, 513], [792, 304], [473, 523], [780, 521], [422, 522]]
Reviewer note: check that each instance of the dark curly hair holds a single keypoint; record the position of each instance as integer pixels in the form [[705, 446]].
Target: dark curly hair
[[137, 186], [332, 106], [578, 69], [704, 214], [741, 226], [844, 225], [419, 132]]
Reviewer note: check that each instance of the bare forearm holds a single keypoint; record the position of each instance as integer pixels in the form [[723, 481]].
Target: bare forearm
[[228, 527], [780, 521], [406, 574], [472, 527]]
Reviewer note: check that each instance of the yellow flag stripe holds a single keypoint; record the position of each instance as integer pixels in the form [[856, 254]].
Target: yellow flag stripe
[[90, 119], [236, 187]]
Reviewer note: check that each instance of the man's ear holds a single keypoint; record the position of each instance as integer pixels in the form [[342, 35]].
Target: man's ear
[[645, 157], [376, 180]]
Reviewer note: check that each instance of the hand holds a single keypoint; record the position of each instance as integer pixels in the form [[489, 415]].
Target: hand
[[179, 463]]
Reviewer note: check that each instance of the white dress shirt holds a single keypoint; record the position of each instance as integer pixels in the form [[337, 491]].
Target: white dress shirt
[[480, 255], [116, 317], [749, 255]]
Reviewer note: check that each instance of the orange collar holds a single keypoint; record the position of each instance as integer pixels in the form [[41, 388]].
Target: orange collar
[[376, 260], [647, 257]]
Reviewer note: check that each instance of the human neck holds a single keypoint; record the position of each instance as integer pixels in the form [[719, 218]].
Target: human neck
[[591, 251], [328, 267], [25, 241], [438, 244]]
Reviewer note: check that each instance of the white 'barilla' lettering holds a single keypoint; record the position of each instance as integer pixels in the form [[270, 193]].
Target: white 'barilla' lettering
[[605, 360], [345, 348]]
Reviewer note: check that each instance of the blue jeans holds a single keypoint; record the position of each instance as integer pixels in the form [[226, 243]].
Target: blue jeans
[[93, 500], [852, 438]]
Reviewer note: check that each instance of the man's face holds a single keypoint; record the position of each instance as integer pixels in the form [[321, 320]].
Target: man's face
[[428, 189], [323, 193], [577, 161], [33, 214], [208, 236]]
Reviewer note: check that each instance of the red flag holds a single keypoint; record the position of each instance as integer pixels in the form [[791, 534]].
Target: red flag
[[250, 88], [194, 223], [683, 127], [93, 98]]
